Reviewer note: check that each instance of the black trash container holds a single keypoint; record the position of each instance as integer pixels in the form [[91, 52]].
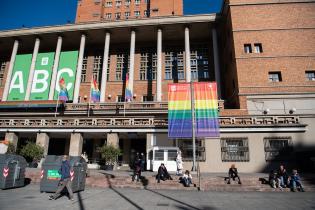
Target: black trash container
[[50, 176], [13, 171]]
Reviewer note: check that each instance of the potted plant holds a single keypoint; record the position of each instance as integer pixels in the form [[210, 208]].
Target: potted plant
[[110, 154], [32, 152]]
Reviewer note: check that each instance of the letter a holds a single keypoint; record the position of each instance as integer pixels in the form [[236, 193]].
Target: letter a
[[17, 76]]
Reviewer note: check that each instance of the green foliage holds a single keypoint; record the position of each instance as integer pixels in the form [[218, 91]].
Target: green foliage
[[109, 153], [11, 148], [32, 151]]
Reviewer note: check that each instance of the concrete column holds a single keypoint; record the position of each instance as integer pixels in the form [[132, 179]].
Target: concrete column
[[79, 70], [104, 69], [113, 139], [132, 59], [159, 66], [12, 138], [187, 55], [55, 69], [32, 69], [9, 74], [42, 139], [216, 61], [76, 144]]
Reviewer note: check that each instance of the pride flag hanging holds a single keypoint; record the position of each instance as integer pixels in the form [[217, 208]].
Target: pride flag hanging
[[63, 93], [128, 93], [206, 109], [179, 111], [95, 93]]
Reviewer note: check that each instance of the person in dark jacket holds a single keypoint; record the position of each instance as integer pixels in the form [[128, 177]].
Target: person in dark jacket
[[233, 174], [65, 180], [296, 181], [137, 170], [274, 181], [163, 173], [283, 176]]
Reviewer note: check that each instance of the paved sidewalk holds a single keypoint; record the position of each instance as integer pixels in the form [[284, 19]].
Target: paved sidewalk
[[29, 198]]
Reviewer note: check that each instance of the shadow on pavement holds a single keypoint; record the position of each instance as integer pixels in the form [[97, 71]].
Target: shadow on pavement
[[80, 201]]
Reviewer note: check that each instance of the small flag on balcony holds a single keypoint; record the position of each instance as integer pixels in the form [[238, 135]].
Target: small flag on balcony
[[63, 93], [128, 93], [206, 109], [95, 93]]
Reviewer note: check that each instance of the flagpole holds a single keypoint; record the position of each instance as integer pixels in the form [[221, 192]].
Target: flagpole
[[193, 125], [57, 104], [90, 100]]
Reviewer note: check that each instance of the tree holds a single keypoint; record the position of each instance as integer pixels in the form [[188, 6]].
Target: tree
[[110, 154], [32, 152]]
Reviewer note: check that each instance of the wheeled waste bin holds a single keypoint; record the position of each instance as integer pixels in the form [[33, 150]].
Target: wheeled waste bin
[[50, 176], [13, 171]]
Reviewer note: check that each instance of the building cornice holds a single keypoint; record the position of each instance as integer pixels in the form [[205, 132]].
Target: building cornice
[[110, 25]]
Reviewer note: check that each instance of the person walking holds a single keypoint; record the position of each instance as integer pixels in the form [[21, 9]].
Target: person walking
[[65, 181]]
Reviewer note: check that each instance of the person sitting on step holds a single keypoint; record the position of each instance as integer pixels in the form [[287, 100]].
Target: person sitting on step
[[283, 176], [295, 180], [163, 173], [186, 179], [274, 181], [233, 174]]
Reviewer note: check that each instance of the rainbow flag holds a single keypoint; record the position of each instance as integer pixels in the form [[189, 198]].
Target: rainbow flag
[[63, 93], [95, 93], [206, 109], [179, 111], [128, 93]]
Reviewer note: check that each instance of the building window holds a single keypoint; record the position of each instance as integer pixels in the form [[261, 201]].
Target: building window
[[97, 67], [186, 147], [148, 62], [275, 77], [152, 74], [137, 2], [97, 2], [199, 64], [234, 150], [174, 65], [137, 13], [148, 98], [84, 68], [278, 148], [118, 3], [258, 48], [144, 59], [247, 48], [310, 75], [180, 65], [96, 14], [122, 67], [120, 98], [108, 15], [127, 2], [127, 14], [109, 4], [146, 13], [117, 15], [168, 65]]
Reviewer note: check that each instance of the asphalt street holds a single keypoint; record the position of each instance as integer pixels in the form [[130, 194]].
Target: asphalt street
[[30, 198]]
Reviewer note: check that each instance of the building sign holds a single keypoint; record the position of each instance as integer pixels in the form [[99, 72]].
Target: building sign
[[19, 78], [42, 76], [53, 175], [67, 70]]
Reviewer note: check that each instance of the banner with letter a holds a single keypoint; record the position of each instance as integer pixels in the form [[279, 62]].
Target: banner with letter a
[[179, 111], [206, 109], [67, 70], [42, 76], [19, 78]]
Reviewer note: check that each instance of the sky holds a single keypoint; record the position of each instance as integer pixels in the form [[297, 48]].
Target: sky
[[33, 13]]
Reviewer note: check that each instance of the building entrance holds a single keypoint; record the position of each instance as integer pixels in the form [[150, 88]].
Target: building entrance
[[58, 146]]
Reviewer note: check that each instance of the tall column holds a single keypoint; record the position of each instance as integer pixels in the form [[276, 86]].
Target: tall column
[[104, 69], [9, 74], [55, 69], [159, 66], [12, 138], [132, 59], [187, 55], [126, 152], [216, 61], [79, 70], [76, 144], [113, 139], [32, 69], [42, 139]]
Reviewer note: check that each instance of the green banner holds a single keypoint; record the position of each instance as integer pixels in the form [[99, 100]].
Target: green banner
[[19, 77], [42, 76], [67, 70]]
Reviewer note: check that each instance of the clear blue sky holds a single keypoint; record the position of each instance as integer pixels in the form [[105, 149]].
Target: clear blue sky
[[30, 13]]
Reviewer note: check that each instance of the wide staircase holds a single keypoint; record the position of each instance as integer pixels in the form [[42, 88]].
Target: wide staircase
[[208, 181]]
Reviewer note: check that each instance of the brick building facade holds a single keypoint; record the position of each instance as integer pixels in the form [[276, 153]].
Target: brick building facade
[[260, 55]]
